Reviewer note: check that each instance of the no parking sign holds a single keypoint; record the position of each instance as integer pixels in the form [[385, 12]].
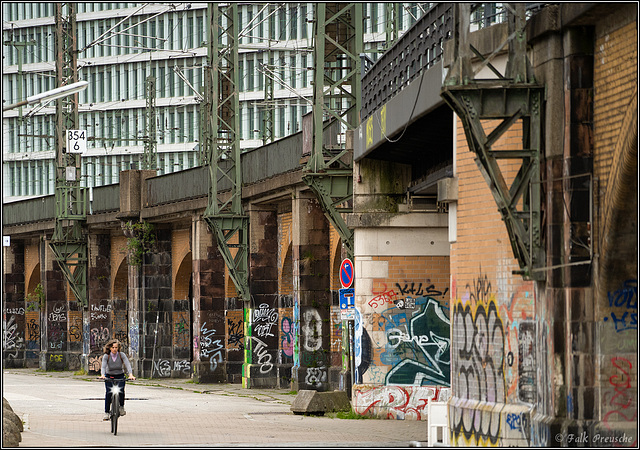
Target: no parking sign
[[346, 273]]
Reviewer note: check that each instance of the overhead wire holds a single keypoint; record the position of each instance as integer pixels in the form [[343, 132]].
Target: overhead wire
[[281, 62]]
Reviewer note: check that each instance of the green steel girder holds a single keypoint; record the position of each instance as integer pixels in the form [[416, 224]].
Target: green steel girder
[[333, 189], [224, 213], [68, 242], [518, 203], [150, 156], [515, 100], [338, 44]]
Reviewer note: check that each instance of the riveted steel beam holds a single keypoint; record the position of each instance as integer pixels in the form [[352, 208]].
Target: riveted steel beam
[[68, 242], [515, 100], [224, 213], [338, 44]]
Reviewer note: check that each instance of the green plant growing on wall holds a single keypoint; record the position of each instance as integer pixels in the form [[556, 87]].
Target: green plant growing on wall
[[140, 240], [35, 300]]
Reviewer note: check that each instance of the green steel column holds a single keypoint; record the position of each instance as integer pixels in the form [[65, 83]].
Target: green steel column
[[338, 44], [515, 98], [224, 213], [68, 242], [150, 156]]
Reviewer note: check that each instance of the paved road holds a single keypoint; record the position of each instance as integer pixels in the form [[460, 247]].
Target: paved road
[[60, 409]]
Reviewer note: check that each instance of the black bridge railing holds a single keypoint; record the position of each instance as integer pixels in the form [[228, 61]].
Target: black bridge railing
[[419, 48]]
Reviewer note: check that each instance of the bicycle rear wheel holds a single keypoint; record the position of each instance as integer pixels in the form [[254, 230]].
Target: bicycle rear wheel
[[115, 413]]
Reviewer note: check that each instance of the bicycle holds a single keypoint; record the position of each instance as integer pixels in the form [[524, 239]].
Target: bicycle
[[114, 411]]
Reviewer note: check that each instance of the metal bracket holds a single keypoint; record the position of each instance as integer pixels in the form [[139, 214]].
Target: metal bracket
[[515, 100]]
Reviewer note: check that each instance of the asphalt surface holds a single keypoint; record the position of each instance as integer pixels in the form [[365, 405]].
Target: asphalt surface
[[60, 409]]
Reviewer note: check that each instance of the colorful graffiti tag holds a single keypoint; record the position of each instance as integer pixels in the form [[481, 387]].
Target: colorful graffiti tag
[[478, 369], [397, 402], [406, 344]]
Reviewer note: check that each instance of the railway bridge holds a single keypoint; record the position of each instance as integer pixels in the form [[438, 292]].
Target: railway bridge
[[494, 246]]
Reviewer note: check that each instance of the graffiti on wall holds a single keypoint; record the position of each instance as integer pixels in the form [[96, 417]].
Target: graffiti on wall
[[397, 402], [265, 321], [235, 329], [12, 337], [311, 330], [210, 348], [405, 340], [181, 335], [75, 326], [418, 344], [264, 358], [134, 332], [527, 362], [478, 365], [99, 337], [336, 329], [316, 376], [286, 334], [625, 302], [163, 367], [57, 326], [100, 312], [620, 399], [32, 333]]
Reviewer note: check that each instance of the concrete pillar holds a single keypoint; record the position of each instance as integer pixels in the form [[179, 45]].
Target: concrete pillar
[[15, 344], [263, 338], [95, 323], [54, 343], [312, 295], [158, 306], [286, 348], [209, 356]]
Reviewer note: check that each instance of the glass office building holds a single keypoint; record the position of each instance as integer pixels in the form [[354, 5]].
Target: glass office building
[[120, 45]]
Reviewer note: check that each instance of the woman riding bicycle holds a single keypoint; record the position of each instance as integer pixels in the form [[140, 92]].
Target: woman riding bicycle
[[113, 364]]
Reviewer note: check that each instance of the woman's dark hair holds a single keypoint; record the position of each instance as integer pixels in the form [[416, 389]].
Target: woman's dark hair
[[108, 345]]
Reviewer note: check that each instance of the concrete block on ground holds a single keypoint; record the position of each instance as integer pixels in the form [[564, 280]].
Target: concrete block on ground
[[11, 426], [314, 402]]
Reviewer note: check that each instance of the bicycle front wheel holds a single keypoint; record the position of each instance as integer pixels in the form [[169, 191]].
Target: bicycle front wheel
[[115, 413]]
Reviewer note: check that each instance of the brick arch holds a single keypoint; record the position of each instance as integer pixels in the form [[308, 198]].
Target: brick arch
[[336, 258], [182, 278], [618, 241], [336, 262], [31, 267], [119, 267], [286, 272], [33, 278], [285, 269], [121, 281]]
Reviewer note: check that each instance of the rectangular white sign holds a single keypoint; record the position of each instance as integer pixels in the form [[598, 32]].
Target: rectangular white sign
[[76, 141], [71, 173], [6, 241]]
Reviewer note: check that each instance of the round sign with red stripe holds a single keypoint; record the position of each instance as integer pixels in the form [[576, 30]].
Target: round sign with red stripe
[[346, 273]]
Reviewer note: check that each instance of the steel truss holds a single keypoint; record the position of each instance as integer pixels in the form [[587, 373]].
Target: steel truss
[[514, 100], [69, 243], [224, 214], [338, 37]]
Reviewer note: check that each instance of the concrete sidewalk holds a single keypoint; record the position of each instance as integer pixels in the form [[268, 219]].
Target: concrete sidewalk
[[60, 409]]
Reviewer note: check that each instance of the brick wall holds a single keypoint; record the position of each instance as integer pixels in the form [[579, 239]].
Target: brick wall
[[285, 275], [616, 79], [616, 302], [402, 356], [181, 261], [492, 314]]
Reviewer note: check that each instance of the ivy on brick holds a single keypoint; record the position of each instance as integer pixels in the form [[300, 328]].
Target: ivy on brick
[[141, 240]]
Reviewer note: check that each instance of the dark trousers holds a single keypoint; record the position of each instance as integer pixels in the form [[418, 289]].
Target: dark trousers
[[108, 383]]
